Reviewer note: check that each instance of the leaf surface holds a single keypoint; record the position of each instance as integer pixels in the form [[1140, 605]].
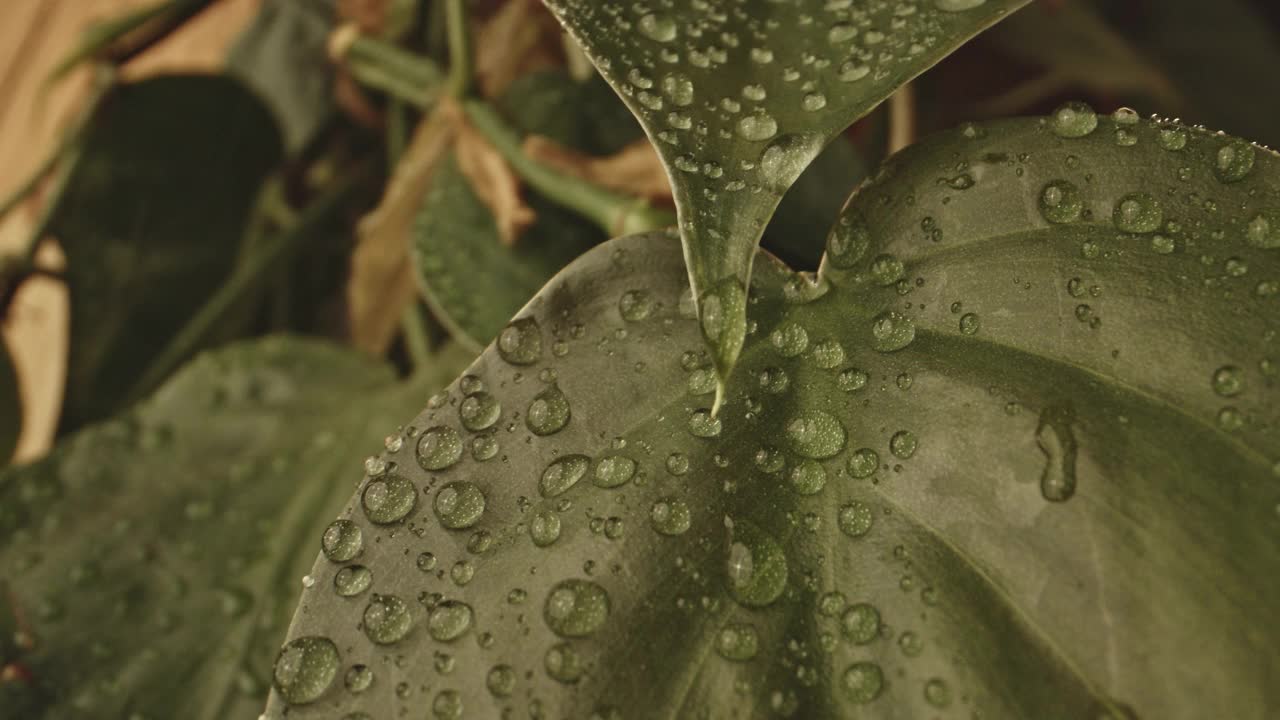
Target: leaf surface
[[1015, 455], [740, 98], [153, 559]]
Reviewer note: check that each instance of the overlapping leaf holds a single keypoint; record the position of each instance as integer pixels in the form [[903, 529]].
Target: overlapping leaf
[[1013, 456], [740, 97], [152, 221], [149, 565]]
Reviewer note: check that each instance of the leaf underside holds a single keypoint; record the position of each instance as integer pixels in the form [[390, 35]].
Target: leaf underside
[[739, 99], [1014, 455], [153, 560]]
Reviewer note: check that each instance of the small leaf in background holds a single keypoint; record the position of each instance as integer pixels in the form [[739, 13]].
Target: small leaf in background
[[152, 561], [634, 170], [494, 182], [766, 86], [472, 280], [1015, 458], [1077, 50], [10, 405], [519, 39], [381, 283], [282, 56], [152, 220]]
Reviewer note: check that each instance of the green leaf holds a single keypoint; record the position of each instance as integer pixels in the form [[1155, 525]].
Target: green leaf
[[153, 559], [1014, 455], [283, 57], [472, 281], [151, 221], [740, 100], [10, 405]]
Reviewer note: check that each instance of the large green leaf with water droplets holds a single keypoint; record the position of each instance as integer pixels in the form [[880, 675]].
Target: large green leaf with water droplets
[[1014, 456], [148, 566], [740, 97]]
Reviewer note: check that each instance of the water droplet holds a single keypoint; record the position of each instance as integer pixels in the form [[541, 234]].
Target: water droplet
[[613, 471], [860, 623], [813, 102], [970, 323], [459, 505], [855, 518], [562, 474], [1228, 381], [808, 477], [703, 424], [936, 693], [520, 342], [848, 240], [548, 413], [1234, 161], [352, 580], [388, 499], [670, 516], [439, 447], [635, 305], [862, 681], [479, 411], [790, 339], [449, 620], [1057, 441], [863, 463], [342, 540], [737, 642], [892, 331], [903, 444], [576, 608], [815, 434], [358, 678], [1230, 419], [544, 528], [563, 664], [1263, 231], [501, 680], [757, 127], [852, 379], [756, 566], [1138, 213], [305, 668], [386, 619], [659, 28], [679, 89], [447, 705], [1060, 202], [886, 270], [1073, 120]]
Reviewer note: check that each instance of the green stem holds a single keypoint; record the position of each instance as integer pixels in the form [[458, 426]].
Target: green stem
[[247, 277], [417, 341], [459, 47], [615, 213], [401, 74], [120, 39]]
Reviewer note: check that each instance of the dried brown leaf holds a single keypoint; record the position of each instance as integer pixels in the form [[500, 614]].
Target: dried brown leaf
[[495, 182], [520, 38], [381, 283], [633, 170]]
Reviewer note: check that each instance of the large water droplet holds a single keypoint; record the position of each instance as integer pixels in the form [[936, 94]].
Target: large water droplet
[[439, 447], [1138, 213], [863, 463], [755, 566], [459, 505], [549, 412], [352, 580], [862, 682], [848, 240], [892, 331], [520, 343], [1234, 161], [1060, 202], [790, 339], [562, 474], [670, 516], [386, 619], [388, 499], [564, 664], [576, 608], [544, 528], [1263, 231], [342, 540], [815, 434], [903, 444], [501, 680], [660, 28], [305, 668], [479, 411], [855, 518], [449, 620], [1228, 381], [613, 471], [1073, 120], [808, 477], [860, 623], [757, 127], [738, 642], [1057, 441]]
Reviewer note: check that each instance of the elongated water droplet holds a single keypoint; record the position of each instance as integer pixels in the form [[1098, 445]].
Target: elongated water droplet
[[562, 474], [756, 566], [1058, 443], [613, 471]]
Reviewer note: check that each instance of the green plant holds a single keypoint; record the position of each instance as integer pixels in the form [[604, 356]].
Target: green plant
[[1010, 452]]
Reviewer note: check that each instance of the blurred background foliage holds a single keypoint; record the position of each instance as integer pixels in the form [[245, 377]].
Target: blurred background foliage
[[187, 173]]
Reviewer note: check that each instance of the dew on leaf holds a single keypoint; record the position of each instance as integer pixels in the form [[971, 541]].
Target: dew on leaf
[[342, 540], [352, 580], [936, 693], [563, 473], [659, 28], [447, 705], [305, 668], [388, 499], [459, 505], [1060, 202], [855, 518], [1234, 161], [439, 448], [1228, 381], [635, 305], [807, 477], [1057, 441], [1263, 231], [386, 619], [756, 567], [903, 444], [892, 331], [563, 664], [479, 411], [1073, 120], [862, 682], [576, 608], [970, 323], [863, 463], [815, 434], [501, 680], [848, 240], [737, 642], [860, 623], [1138, 213], [544, 528], [358, 678], [449, 620], [520, 342], [548, 412], [670, 516]]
